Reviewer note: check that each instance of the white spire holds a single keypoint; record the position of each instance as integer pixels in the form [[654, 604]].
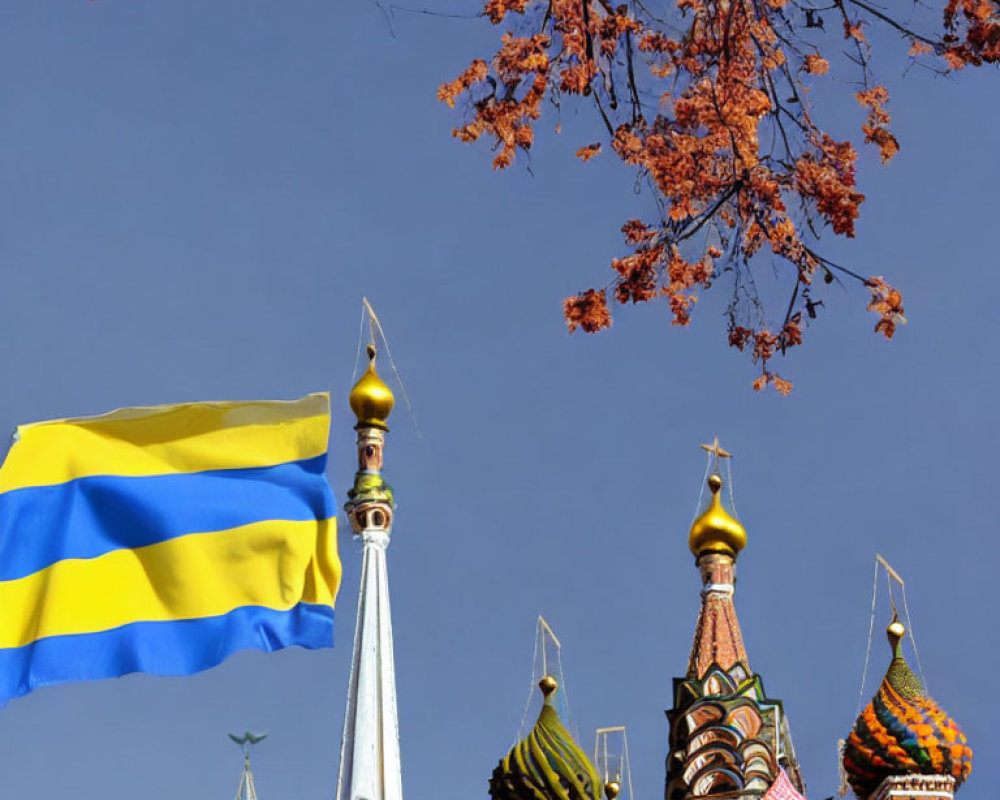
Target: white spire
[[369, 751], [246, 789]]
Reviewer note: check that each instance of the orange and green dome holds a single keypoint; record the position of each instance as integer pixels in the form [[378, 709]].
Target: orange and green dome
[[903, 732]]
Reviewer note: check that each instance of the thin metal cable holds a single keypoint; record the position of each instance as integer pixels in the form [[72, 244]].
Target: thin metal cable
[[628, 765], [701, 492], [892, 597], [868, 651], [732, 492], [361, 336], [909, 627], [565, 693], [373, 320], [531, 686]]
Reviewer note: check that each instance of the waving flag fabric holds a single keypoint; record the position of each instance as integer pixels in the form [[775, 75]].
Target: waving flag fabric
[[163, 539]]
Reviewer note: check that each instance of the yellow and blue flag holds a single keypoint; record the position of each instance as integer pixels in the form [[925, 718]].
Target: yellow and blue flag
[[163, 539]]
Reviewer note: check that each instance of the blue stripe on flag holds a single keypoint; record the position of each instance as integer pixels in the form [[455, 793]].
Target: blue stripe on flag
[[161, 648], [88, 517]]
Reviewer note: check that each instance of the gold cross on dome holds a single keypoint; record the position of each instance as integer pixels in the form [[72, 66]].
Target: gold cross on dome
[[716, 451]]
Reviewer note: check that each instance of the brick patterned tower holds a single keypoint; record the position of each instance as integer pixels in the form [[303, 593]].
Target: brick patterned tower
[[727, 738]]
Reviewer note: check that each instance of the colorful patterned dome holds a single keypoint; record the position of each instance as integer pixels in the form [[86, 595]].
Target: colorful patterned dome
[[548, 764], [903, 732]]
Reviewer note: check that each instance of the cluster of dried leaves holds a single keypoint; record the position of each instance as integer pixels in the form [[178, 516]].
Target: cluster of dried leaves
[[711, 106]]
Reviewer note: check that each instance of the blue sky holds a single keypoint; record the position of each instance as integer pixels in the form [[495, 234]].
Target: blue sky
[[195, 196]]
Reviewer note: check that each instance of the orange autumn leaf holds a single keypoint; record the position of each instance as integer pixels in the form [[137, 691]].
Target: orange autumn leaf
[[852, 30], [496, 10], [873, 98], [886, 142], [887, 302], [587, 310], [475, 72], [815, 64], [783, 387], [589, 151], [875, 127], [636, 231]]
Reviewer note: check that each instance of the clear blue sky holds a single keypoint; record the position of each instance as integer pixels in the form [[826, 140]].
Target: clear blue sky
[[193, 199]]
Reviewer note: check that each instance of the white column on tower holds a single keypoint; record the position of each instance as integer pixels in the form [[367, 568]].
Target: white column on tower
[[369, 754]]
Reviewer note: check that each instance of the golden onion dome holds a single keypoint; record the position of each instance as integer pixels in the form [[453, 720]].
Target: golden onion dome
[[902, 731], [548, 764], [716, 530], [371, 400]]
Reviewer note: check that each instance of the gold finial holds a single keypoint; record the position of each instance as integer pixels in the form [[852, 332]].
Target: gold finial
[[548, 685], [896, 631], [371, 400], [716, 530], [611, 789]]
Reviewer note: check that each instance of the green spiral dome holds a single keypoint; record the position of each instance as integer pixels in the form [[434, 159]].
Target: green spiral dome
[[547, 764]]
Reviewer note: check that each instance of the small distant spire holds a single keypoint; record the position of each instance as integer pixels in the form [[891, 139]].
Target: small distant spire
[[246, 789], [611, 758]]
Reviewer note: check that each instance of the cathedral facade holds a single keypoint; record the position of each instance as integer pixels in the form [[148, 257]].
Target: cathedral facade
[[728, 738]]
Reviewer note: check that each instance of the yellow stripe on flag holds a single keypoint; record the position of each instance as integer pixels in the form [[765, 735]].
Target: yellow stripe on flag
[[168, 439], [275, 564]]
